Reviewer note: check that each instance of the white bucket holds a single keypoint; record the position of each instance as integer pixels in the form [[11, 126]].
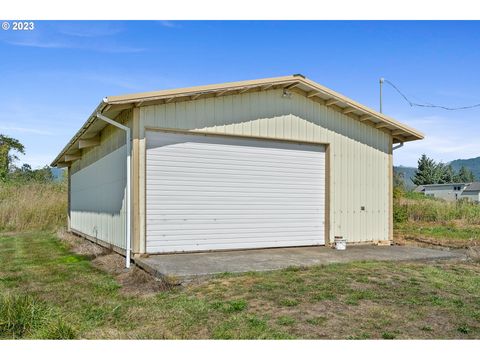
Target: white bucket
[[340, 243]]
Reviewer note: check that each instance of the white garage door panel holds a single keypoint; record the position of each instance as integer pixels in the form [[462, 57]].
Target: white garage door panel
[[214, 193]]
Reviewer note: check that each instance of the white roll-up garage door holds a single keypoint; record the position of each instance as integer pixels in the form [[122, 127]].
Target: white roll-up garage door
[[213, 193]]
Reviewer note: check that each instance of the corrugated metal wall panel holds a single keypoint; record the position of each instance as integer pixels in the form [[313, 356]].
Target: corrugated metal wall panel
[[97, 201], [359, 153], [111, 139]]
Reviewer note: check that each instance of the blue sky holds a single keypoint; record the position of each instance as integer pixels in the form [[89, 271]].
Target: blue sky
[[53, 77]]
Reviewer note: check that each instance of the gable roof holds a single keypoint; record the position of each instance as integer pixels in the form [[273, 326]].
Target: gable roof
[[112, 106], [444, 184], [474, 186]]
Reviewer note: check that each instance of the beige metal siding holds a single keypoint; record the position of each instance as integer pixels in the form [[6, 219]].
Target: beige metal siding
[[359, 163], [97, 189], [111, 138], [98, 199]]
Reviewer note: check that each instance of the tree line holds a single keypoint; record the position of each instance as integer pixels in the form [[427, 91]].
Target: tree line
[[431, 172], [9, 172]]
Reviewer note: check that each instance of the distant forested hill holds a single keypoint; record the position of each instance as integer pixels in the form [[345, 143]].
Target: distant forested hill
[[408, 173], [472, 164]]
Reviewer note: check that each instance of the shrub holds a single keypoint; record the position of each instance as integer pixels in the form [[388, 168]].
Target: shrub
[[398, 192], [414, 195], [400, 214]]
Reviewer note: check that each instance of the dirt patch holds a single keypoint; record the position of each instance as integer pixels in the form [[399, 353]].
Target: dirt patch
[[138, 282], [82, 246], [367, 320], [133, 281], [430, 243], [111, 263], [472, 253]]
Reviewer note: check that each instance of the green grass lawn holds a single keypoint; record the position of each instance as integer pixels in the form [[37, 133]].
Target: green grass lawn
[[445, 234], [49, 292]]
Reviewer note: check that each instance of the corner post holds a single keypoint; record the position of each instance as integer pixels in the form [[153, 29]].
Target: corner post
[[69, 198]]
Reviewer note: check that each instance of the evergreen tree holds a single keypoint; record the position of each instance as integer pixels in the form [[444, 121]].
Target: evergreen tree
[[427, 172], [446, 174], [430, 172], [465, 175]]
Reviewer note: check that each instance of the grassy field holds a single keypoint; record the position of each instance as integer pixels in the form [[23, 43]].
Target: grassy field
[[447, 234], [49, 292], [63, 287], [32, 206], [427, 220]]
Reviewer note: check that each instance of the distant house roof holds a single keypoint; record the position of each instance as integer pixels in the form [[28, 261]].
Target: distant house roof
[[419, 188], [451, 184], [474, 186]]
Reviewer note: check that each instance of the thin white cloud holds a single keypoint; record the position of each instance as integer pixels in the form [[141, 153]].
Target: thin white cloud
[[440, 145], [41, 44], [108, 48], [447, 137], [26, 130], [82, 36], [446, 146], [89, 29], [169, 24]]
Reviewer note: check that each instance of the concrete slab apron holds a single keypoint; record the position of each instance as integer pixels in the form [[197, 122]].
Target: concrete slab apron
[[188, 266]]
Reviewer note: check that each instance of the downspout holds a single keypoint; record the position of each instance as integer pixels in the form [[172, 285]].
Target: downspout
[[127, 200], [397, 146]]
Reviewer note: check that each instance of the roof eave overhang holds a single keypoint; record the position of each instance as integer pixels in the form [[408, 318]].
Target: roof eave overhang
[[60, 157]]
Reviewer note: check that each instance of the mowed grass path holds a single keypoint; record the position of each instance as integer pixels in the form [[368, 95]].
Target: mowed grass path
[[72, 299]]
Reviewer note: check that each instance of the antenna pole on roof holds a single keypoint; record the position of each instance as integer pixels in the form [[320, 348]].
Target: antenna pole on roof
[[381, 86]]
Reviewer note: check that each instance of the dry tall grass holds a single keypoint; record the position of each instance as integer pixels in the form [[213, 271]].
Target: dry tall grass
[[32, 206], [438, 211]]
